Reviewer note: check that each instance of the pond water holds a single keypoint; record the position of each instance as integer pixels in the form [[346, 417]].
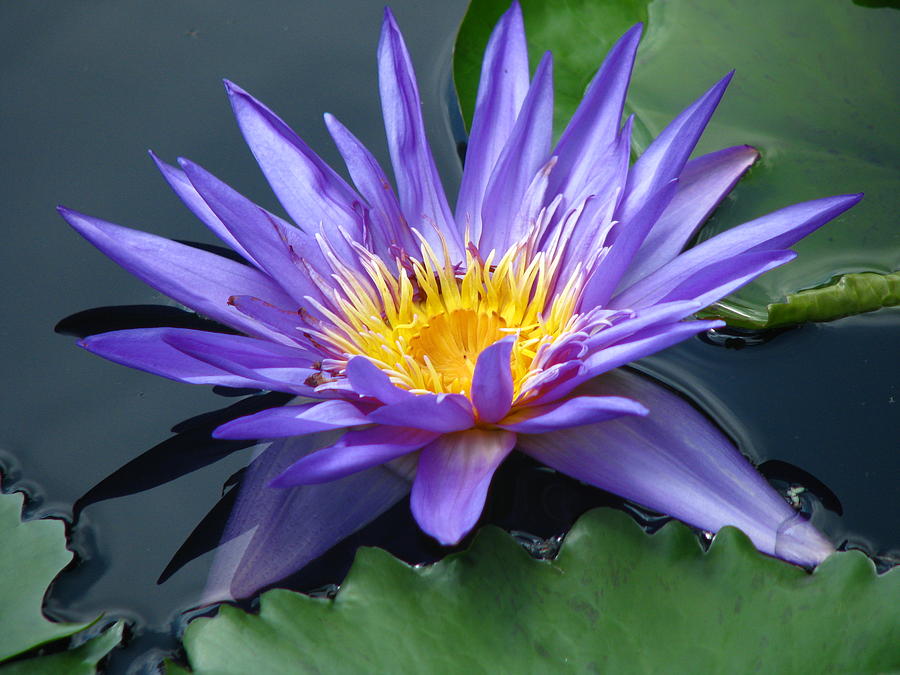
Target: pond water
[[89, 87]]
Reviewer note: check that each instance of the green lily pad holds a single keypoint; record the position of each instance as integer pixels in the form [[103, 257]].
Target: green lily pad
[[816, 84], [31, 555], [549, 25], [79, 661], [615, 600], [845, 295]]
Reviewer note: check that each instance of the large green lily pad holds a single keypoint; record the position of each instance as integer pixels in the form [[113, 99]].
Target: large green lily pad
[[32, 553], [615, 600], [816, 86]]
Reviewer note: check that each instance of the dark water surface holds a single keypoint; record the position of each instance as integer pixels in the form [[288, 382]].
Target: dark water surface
[[89, 86]]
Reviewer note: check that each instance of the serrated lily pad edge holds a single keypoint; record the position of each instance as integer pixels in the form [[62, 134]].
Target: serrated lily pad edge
[[14, 502], [674, 540], [92, 650]]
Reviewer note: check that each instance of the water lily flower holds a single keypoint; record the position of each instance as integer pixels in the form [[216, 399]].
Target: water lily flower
[[442, 339]]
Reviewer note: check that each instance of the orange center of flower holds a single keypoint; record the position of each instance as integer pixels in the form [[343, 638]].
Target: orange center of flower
[[452, 343]]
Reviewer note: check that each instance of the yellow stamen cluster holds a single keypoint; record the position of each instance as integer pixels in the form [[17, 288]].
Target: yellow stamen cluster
[[426, 323]]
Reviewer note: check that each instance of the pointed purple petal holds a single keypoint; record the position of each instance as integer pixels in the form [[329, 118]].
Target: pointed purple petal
[[526, 152], [677, 462], [288, 323], [645, 318], [627, 238], [310, 190], [599, 196], [501, 90], [273, 533], [702, 185], [282, 367], [774, 231], [367, 379], [375, 187], [666, 156], [182, 187], [715, 281], [418, 184], [201, 280], [492, 383], [147, 350], [293, 420], [584, 146], [356, 451], [644, 343], [431, 412], [452, 481], [273, 243], [574, 412]]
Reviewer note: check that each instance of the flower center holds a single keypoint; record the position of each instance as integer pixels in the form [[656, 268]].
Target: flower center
[[452, 343], [426, 324]]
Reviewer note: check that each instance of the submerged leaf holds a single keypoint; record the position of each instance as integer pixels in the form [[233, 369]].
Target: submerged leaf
[[614, 600]]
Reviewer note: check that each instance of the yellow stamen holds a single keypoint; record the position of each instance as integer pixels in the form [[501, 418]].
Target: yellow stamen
[[426, 324]]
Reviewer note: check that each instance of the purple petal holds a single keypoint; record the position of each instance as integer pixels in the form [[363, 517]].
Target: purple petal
[[586, 234], [574, 412], [452, 481], [717, 280], [146, 349], [356, 451], [370, 179], [775, 231], [283, 368], [666, 156], [288, 323], [645, 318], [310, 191], [293, 420], [650, 340], [273, 243], [367, 379], [501, 90], [585, 144], [677, 462], [644, 343], [628, 236], [273, 533], [492, 383], [431, 412], [525, 153], [418, 184], [179, 182], [702, 185], [198, 279]]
